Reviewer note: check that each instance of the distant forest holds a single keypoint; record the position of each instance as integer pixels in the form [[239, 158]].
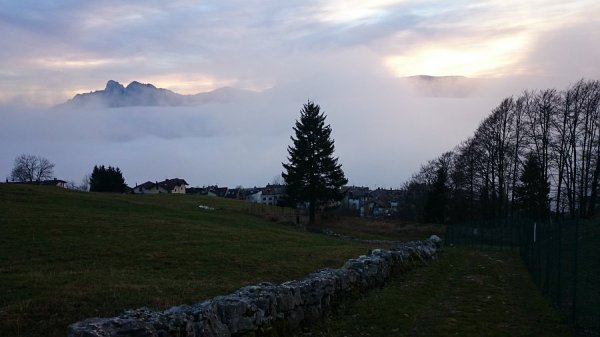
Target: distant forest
[[536, 155]]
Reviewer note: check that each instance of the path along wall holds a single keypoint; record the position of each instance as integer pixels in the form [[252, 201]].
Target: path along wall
[[264, 309]]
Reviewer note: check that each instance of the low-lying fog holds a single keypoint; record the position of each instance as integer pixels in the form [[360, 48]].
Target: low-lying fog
[[383, 131]]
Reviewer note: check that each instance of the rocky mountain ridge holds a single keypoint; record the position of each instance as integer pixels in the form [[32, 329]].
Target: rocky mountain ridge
[[144, 94]]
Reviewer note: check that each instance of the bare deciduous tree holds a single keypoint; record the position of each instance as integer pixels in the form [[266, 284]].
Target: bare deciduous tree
[[45, 169], [85, 183], [30, 168], [560, 129]]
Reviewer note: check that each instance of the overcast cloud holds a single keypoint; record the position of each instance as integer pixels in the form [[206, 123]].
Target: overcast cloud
[[348, 56]]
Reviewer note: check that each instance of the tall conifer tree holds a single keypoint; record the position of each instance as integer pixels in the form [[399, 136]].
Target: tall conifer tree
[[312, 174], [532, 193], [438, 197]]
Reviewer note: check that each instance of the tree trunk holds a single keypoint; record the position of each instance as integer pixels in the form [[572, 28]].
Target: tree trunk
[[594, 194]]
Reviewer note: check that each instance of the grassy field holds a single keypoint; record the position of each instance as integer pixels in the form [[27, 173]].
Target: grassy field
[[67, 256], [464, 293]]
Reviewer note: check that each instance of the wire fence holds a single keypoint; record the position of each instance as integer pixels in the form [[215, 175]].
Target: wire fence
[[563, 258]]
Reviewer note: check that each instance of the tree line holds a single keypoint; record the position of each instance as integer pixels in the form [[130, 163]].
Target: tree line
[[535, 155], [107, 179], [31, 169], [313, 177]]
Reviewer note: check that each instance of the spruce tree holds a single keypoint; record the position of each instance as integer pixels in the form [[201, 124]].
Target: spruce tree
[[312, 174], [437, 198], [532, 192], [107, 180]]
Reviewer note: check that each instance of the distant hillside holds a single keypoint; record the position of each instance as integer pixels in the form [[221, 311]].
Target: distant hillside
[[140, 94]]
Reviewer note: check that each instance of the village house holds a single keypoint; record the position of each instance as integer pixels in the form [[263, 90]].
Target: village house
[[375, 208], [220, 192], [272, 194], [371, 203], [210, 191], [354, 197], [49, 182], [147, 188], [194, 190], [233, 193], [54, 182], [175, 186], [253, 194]]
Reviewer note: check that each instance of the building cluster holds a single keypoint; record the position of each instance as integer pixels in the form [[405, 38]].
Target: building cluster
[[176, 186], [47, 182], [376, 203], [360, 201], [270, 194]]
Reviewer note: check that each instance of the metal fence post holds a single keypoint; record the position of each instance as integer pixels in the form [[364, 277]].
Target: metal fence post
[[558, 264], [576, 244]]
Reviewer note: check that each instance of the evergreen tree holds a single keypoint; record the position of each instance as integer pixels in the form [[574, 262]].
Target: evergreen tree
[[107, 180], [532, 192], [312, 174], [438, 197]]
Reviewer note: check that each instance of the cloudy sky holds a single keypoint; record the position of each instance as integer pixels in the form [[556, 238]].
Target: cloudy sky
[[351, 57]]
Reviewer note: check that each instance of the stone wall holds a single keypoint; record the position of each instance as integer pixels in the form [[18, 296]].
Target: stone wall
[[264, 309]]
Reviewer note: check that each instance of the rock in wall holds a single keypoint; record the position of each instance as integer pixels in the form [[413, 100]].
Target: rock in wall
[[263, 309]]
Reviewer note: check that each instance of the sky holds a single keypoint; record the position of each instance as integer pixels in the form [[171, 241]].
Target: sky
[[353, 58]]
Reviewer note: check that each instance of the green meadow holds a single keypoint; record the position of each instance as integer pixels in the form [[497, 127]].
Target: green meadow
[[66, 256], [465, 292]]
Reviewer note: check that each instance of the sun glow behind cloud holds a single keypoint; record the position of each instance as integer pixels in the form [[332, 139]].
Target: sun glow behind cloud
[[191, 48], [472, 58]]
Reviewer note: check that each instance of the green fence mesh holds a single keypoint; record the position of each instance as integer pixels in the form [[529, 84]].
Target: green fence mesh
[[563, 258]]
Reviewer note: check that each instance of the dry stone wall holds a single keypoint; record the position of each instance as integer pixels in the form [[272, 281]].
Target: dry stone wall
[[264, 309]]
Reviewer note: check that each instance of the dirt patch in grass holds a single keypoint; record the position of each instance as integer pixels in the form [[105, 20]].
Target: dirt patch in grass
[[381, 229], [363, 228], [463, 293]]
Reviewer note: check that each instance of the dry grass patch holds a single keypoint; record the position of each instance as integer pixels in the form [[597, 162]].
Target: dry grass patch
[[382, 229]]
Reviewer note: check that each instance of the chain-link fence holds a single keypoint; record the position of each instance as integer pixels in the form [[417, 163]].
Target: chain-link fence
[[563, 258]]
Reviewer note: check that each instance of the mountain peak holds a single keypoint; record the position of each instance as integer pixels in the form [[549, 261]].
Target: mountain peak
[[114, 86], [137, 85], [140, 94]]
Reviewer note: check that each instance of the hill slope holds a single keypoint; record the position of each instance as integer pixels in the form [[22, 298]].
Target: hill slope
[[66, 256]]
